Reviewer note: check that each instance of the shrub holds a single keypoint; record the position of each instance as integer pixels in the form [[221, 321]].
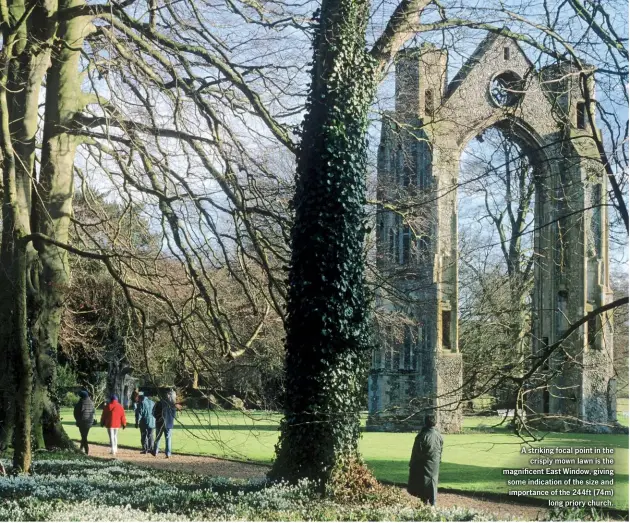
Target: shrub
[[576, 514], [352, 482], [483, 403], [69, 399], [66, 377]]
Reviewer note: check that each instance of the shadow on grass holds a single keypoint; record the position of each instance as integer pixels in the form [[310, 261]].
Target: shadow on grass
[[453, 474], [256, 427], [478, 479], [211, 426], [272, 428]]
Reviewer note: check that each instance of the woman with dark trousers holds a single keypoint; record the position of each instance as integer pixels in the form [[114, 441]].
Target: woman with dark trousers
[[84, 417], [165, 412]]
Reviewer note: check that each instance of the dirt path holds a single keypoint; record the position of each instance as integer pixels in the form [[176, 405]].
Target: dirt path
[[500, 509], [219, 467], [204, 465]]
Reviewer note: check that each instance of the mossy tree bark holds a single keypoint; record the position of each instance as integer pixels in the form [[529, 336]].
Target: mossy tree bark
[[38, 41], [18, 376], [25, 57], [14, 332], [327, 311], [53, 210]]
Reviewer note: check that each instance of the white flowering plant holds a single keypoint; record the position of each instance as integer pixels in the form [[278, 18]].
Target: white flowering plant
[[71, 487]]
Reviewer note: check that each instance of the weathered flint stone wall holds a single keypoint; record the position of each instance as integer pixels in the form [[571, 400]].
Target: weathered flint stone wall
[[449, 371], [420, 370]]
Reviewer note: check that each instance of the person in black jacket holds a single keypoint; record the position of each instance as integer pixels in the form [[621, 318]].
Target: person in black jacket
[[84, 416], [165, 412], [424, 467]]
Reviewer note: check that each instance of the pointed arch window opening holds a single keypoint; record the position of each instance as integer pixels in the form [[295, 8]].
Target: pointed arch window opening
[[408, 349], [546, 395], [446, 329], [392, 241], [406, 244], [592, 334], [399, 165], [596, 219], [423, 160], [562, 321], [581, 116], [429, 102]]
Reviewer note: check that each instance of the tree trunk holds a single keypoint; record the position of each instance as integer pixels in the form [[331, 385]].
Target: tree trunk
[[18, 379], [22, 364], [117, 371], [26, 61], [16, 91], [52, 212], [8, 381], [35, 276], [327, 320]]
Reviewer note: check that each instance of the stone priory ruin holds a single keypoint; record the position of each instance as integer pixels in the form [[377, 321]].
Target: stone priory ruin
[[546, 113]]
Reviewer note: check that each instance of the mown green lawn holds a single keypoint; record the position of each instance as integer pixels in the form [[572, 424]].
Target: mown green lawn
[[472, 461]]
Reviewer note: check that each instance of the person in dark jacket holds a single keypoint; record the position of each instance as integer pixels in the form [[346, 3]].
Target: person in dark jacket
[[146, 421], [165, 413], [424, 467], [84, 417]]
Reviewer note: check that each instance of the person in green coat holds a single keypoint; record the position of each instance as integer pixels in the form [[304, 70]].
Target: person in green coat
[[424, 466]]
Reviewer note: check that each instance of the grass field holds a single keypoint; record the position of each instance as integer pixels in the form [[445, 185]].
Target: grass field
[[472, 460]]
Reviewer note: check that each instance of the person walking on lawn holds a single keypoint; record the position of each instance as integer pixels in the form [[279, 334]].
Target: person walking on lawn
[[135, 400], [165, 413], [424, 467], [146, 421], [113, 418], [84, 417]]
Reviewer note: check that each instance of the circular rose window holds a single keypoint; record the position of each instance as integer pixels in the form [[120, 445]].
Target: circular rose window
[[506, 89]]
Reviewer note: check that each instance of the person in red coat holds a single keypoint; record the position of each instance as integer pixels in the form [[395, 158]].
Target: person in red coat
[[113, 418]]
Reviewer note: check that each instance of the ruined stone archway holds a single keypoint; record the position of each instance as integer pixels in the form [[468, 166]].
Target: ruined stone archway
[[418, 167]]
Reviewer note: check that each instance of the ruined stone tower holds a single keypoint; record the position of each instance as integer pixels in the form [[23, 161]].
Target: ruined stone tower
[[419, 368]]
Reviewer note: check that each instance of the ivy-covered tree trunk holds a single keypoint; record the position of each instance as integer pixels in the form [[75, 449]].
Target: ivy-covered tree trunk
[[328, 342]]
